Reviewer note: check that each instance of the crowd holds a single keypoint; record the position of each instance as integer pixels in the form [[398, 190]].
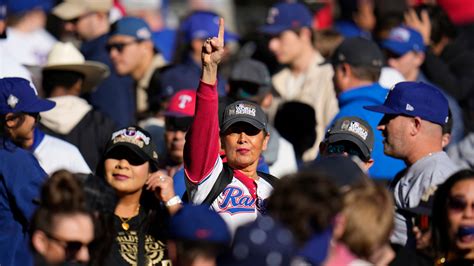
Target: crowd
[[333, 133]]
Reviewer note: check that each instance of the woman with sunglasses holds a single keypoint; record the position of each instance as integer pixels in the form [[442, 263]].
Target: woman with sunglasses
[[453, 220], [145, 200], [61, 228]]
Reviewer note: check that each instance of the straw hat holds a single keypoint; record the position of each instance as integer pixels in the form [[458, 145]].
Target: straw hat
[[64, 56]]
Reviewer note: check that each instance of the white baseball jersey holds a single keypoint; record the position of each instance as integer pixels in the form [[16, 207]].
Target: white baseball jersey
[[239, 203]]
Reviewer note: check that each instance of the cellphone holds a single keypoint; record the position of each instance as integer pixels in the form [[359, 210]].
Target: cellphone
[[423, 222]]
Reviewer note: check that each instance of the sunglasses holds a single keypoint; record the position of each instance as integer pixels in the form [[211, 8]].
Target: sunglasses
[[178, 123], [119, 46], [71, 248], [457, 204], [340, 148]]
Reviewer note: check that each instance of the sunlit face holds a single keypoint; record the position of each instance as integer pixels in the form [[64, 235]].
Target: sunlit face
[[21, 128], [69, 240], [461, 214], [286, 46], [395, 132], [126, 53], [406, 64], [125, 171], [84, 26], [243, 144]]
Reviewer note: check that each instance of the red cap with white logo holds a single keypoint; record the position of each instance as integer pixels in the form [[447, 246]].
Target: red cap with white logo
[[182, 104]]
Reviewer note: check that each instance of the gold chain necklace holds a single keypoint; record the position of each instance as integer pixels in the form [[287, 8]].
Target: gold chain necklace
[[125, 225]]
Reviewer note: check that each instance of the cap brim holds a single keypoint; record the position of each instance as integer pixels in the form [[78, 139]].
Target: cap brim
[[135, 149], [418, 210], [41, 105], [176, 114], [68, 11], [94, 73], [348, 137], [381, 109], [272, 29], [394, 47], [248, 120]]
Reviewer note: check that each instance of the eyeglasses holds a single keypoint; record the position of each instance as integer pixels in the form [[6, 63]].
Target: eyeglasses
[[71, 248], [458, 204], [119, 46]]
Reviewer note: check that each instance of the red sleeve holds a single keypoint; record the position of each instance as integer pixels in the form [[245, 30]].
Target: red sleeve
[[202, 140]]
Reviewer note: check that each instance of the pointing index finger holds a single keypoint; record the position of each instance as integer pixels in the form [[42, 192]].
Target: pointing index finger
[[220, 36]]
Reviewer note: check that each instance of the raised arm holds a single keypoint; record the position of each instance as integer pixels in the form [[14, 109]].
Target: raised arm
[[202, 140]]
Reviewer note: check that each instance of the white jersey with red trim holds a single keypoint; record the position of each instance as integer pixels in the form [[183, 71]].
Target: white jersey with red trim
[[239, 203]]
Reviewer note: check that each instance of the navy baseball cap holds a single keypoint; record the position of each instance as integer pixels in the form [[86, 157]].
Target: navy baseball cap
[[415, 99], [355, 130], [199, 223], [203, 25], [287, 16], [3, 10], [131, 26], [402, 40], [244, 111], [17, 95], [135, 139], [264, 241], [21, 6], [358, 51]]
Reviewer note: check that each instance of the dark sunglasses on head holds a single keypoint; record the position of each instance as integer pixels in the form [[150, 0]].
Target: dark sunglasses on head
[[458, 204], [71, 247], [119, 46]]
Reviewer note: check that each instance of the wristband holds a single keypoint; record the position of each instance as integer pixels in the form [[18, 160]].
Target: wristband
[[173, 201]]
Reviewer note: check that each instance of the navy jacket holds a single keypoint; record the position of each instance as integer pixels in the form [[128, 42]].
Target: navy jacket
[[115, 95]]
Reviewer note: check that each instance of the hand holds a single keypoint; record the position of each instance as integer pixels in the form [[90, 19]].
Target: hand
[[213, 48], [423, 239], [382, 255], [423, 25], [162, 185]]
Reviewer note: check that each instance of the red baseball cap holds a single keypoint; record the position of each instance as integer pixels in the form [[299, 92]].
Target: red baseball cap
[[182, 104]]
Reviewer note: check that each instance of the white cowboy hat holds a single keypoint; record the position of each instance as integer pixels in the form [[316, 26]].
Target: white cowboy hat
[[64, 56]]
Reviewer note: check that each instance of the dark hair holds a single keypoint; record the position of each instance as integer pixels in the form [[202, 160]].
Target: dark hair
[[156, 220], [448, 127], [441, 25], [440, 236], [298, 130], [347, 9], [366, 72], [61, 194], [312, 33], [306, 203], [64, 78]]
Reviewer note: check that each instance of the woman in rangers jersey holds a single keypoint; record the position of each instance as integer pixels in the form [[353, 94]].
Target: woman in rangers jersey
[[233, 189]]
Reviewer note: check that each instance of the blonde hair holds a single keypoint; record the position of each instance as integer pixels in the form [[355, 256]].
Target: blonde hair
[[369, 213]]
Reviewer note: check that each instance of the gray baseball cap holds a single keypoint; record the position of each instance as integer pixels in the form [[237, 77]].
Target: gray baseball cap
[[244, 111], [249, 78], [355, 130]]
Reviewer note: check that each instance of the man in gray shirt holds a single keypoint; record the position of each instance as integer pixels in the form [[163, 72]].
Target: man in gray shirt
[[414, 113]]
